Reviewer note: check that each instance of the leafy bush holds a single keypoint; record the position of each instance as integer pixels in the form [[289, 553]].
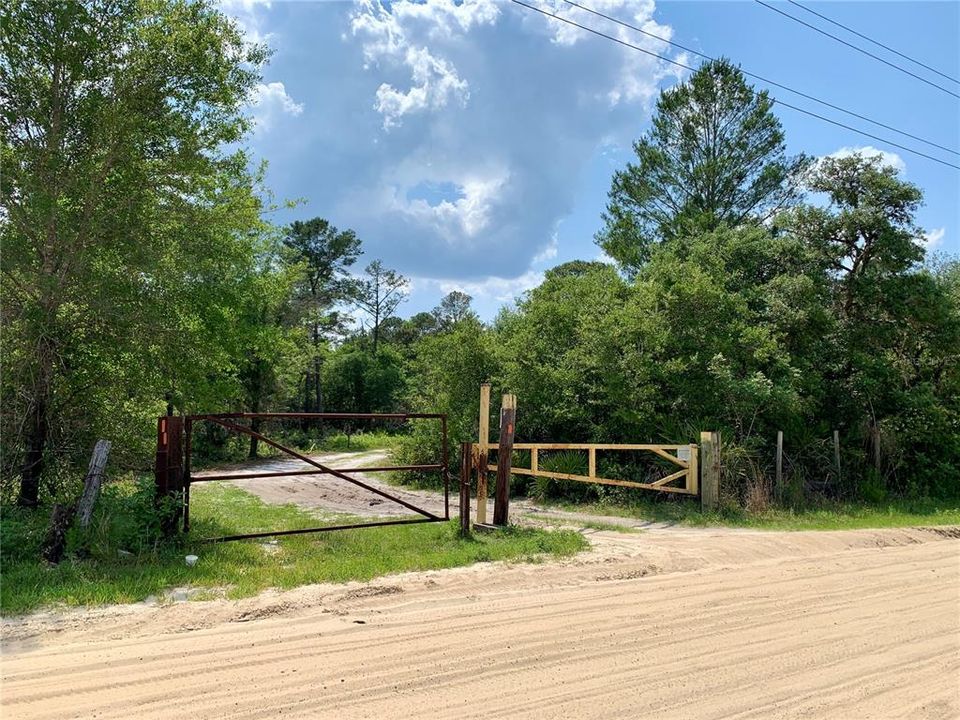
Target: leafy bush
[[568, 462]]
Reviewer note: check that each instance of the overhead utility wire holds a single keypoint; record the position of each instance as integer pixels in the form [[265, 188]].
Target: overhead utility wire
[[858, 49], [764, 80], [875, 42], [687, 67]]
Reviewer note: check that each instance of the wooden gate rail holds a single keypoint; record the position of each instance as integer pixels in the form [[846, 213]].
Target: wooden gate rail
[[224, 420], [688, 468]]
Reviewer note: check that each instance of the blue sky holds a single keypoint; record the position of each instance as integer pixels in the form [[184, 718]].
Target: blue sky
[[471, 144]]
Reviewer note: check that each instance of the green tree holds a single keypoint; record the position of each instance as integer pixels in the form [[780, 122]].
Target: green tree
[[270, 355], [326, 254], [890, 361], [378, 294], [120, 206], [714, 155], [561, 355], [406, 333], [453, 308], [356, 380], [444, 377]]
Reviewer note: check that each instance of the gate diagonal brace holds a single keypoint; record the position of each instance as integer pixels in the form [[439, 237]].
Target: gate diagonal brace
[[324, 468]]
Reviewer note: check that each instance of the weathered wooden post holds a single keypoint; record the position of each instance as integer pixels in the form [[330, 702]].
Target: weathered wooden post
[[709, 471], [466, 469], [483, 439], [508, 417], [55, 542], [92, 482]]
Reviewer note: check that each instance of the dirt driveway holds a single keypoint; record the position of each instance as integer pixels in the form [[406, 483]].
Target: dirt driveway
[[669, 623], [328, 493], [331, 494]]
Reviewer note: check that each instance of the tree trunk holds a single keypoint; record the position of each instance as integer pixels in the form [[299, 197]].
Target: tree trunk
[[254, 441], [37, 430], [318, 388], [255, 393], [55, 542]]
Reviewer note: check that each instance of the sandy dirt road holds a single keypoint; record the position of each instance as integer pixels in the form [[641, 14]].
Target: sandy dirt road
[[667, 623]]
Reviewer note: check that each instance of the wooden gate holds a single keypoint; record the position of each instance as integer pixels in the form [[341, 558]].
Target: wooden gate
[[684, 480]]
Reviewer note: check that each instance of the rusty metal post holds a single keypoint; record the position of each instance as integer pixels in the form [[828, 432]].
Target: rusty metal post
[[168, 470], [188, 452], [445, 462], [161, 462], [466, 469]]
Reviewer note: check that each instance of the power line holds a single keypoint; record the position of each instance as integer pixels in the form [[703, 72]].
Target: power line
[[875, 42], [858, 49], [687, 67], [765, 80]]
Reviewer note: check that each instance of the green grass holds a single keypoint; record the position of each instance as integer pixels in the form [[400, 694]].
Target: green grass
[[244, 568], [828, 516]]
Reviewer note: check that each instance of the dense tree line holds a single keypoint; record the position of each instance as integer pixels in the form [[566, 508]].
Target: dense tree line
[[752, 291]]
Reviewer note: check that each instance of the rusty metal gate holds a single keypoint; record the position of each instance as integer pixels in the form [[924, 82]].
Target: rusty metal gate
[[174, 476]]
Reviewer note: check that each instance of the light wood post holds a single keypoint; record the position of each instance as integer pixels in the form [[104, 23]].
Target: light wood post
[[693, 470], [709, 470], [466, 469], [508, 416], [592, 462], [779, 484], [483, 441]]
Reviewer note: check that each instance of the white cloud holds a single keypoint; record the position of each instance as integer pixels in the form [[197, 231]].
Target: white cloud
[[463, 218], [604, 258], [435, 81], [639, 73], [474, 97], [549, 252], [933, 238], [249, 15], [886, 157], [388, 33], [493, 288], [269, 102]]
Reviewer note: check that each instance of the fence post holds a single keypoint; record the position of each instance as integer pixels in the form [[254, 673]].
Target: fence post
[[508, 416], [709, 470], [693, 470], [168, 469], [779, 481], [483, 438], [836, 453], [466, 469]]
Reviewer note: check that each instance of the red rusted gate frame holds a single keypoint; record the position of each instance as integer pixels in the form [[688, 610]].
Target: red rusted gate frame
[[224, 420]]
